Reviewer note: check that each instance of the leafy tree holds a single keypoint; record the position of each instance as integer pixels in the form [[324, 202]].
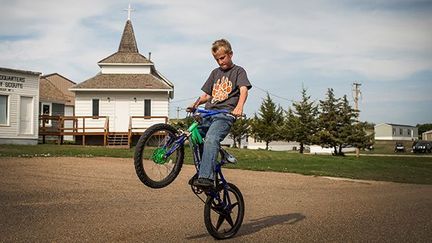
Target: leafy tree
[[301, 123], [423, 128], [182, 124], [266, 125], [239, 130]]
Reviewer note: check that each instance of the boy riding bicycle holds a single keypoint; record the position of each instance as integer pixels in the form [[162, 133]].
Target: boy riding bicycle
[[225, 89]]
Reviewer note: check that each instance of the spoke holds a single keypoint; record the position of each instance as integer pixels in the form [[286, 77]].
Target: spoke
[[169, 166], [229, 219], [219, 222], [159, 172], [234, 205]]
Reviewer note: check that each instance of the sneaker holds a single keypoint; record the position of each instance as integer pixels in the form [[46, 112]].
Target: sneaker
[[203, 182], [192, 179]]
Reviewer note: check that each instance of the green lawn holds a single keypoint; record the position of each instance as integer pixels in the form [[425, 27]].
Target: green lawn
[[416, 169]]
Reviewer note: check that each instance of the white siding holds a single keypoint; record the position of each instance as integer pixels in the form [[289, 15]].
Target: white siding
[[159, 106], [69, 111], [83, 107], [386, 131], [30, 88]]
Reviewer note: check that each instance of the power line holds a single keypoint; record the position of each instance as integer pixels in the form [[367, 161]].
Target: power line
[[255, 86], [280, 97], [181, 100]]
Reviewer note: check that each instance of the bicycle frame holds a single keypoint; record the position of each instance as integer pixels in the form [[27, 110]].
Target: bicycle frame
[[196, 142]]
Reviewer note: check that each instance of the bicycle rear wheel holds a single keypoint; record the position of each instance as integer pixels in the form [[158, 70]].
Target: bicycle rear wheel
[[223, 216], [152, 167]]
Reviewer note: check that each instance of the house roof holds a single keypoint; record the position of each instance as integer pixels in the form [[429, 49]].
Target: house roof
[[123, 81], [57, 74], [128, 50], [19, 71], [394, 125], [62, 84], [48, 92]]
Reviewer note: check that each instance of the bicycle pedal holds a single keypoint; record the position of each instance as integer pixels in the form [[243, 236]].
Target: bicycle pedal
[[228, 157], [196, 190]]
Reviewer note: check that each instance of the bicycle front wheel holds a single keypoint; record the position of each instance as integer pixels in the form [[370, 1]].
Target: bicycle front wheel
[[152, 166], [223, 215]]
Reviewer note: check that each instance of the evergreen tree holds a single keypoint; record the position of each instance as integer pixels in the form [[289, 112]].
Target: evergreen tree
[[290, 126], [239, 130], [347, 117], [329, 122], [301, 123], [359, 138], [339, 125], [266, 125]]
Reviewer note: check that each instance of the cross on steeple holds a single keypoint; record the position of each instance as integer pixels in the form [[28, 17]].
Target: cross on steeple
[[129, 9]]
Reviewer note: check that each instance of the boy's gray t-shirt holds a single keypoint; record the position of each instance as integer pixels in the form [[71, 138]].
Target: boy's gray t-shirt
[[224, 87]]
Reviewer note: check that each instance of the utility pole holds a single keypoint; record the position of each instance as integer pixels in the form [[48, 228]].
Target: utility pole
[[356, 94], [178, 111]]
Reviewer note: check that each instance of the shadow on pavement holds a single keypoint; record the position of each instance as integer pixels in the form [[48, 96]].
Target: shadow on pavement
[[255, 225]]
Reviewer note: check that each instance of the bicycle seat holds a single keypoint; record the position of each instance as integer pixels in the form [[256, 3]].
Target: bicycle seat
[[227, 156]]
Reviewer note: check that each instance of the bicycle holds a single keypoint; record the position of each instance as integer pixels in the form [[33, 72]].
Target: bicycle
[[158, 159]]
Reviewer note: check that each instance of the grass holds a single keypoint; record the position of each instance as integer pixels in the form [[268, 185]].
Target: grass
[[51, 150], [395, 168]]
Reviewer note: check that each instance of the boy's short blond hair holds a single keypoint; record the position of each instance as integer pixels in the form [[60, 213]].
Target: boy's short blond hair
[[222, 43]]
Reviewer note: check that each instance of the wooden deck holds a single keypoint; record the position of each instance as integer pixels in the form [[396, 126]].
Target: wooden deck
[[93, 130]]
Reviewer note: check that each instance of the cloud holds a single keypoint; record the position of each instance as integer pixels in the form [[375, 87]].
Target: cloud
[[282, 44]]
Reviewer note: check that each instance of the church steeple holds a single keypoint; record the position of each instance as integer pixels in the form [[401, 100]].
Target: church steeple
[[128, 42], [128, 49]]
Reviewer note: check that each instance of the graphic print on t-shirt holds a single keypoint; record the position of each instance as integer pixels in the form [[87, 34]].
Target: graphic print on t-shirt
[[221, 89]]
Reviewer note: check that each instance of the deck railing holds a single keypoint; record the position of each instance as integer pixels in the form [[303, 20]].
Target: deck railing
[[55, 126], [92, 125], [138, 124]]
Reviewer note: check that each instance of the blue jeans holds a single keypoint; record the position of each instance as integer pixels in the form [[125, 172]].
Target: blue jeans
[[214, 129]]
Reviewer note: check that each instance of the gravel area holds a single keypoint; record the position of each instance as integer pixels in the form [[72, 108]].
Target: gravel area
[[102, 200]]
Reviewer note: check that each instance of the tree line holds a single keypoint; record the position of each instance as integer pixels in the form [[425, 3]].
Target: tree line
[[330, 123]]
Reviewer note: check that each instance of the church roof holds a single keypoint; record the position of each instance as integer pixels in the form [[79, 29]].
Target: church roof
[[128, 50], [124, 81]]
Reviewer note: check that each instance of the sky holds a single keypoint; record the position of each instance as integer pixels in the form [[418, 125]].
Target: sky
[[386, 45]]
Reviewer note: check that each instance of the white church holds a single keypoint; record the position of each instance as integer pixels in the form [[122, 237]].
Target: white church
[[128, 90]]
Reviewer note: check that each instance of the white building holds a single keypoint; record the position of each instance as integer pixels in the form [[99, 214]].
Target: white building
[[395, 132], [127, 85], [19, 101]]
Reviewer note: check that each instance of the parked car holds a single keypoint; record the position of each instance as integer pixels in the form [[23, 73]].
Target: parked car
[[422, 146], [399, 147]]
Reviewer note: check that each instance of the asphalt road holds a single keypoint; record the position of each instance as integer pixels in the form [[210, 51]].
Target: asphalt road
[[102, 200]]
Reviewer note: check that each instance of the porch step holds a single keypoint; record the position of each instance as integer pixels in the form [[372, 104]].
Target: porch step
[[117, 139]]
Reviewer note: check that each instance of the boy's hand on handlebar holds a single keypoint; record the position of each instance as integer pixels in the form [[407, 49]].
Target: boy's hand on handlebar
[[194, 106], [190, 109], [237, 112]]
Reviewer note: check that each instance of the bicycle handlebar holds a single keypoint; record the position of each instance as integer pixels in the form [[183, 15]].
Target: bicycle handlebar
[[207, 113]]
